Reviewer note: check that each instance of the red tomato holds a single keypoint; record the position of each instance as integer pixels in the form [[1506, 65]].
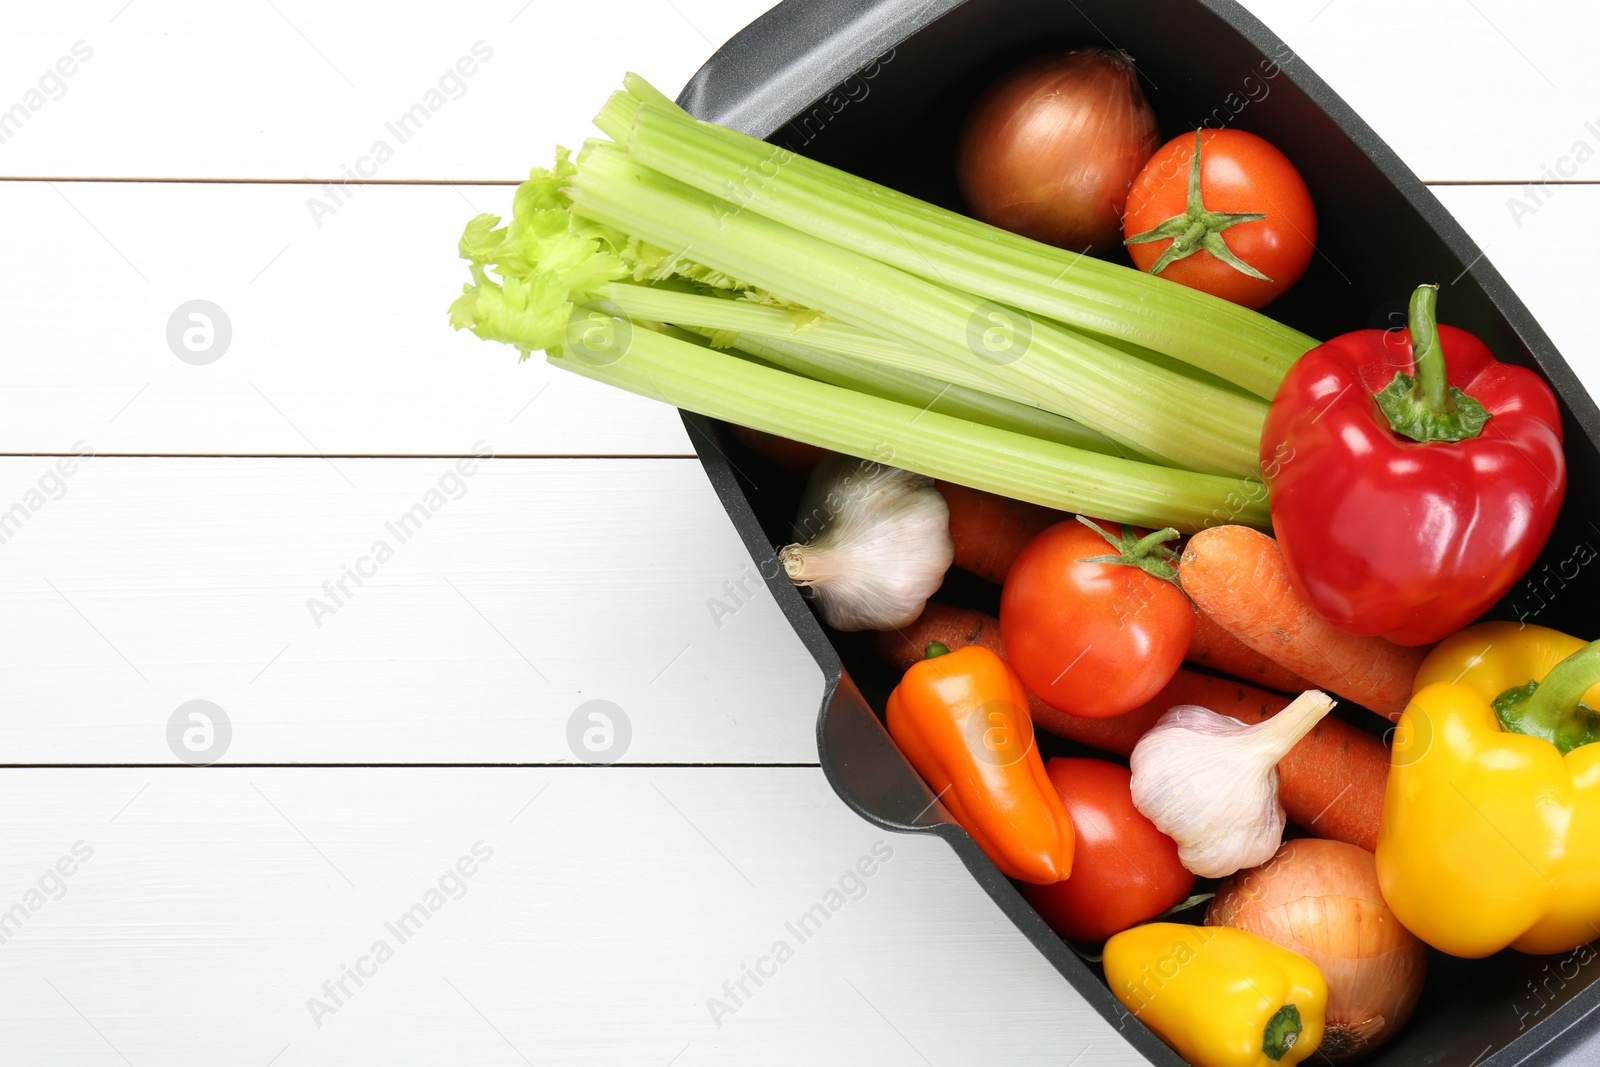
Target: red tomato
[[1124, 870], [1239, 173], [1091, 639]]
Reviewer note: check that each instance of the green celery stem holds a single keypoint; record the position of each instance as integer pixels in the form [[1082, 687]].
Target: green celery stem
[[907, 387], [726, 387], [1431, 390], [773, 323], [1135, 403], [828, 352], [1085, 293]]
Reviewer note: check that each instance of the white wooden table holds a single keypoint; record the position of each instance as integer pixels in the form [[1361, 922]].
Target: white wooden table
[[398, 770]]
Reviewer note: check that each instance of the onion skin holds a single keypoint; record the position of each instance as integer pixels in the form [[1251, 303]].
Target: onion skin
[[1321, 899], [1051, 151]]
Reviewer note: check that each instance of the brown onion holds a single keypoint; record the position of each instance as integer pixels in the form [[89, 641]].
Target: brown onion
[[1321, 899], [1051, 150]]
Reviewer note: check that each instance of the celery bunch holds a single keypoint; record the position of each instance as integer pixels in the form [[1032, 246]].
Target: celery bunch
[[729, 277]]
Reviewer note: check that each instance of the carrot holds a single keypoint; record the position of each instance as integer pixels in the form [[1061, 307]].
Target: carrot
[[949, 626], [796, 457], [1216, 648], [1331, 783], [1237, 576], [990, 531]]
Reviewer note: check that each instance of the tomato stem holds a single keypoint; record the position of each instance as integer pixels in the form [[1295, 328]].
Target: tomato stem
[[1197, 229], [1145, 544], [1148, 553]]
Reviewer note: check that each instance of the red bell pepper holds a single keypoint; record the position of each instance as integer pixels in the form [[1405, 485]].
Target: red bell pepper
[[1413, 477]]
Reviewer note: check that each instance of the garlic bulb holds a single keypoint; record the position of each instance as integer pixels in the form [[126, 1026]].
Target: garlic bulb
[[878, 543], [1210, 782]]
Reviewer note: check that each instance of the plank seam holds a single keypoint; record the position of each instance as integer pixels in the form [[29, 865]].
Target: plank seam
[[355, 455], [568, 765], [512, 183]]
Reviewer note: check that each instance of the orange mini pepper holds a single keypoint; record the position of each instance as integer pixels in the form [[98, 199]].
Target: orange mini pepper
[[961, 719]]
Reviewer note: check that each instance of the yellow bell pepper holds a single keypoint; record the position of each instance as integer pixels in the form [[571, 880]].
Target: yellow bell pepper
[[1221, 997], [1491, 822]]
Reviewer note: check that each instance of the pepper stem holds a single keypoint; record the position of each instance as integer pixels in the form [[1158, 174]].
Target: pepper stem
[[1553, 709], [1430, 390], [1281, 1033], [1428, 408], [935, 650]]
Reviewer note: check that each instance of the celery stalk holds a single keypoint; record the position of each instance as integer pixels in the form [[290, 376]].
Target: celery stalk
[[1139, 405], [801, 343], [775, 323], [908, 387], [723, 386], [1231, 342]]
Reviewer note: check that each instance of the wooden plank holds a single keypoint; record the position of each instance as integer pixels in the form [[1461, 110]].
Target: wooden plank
[[338, 338], [339, 342], [296, 90], [1489, 90], [490, 607], [602, 912], [292, 89], [1527, 236]]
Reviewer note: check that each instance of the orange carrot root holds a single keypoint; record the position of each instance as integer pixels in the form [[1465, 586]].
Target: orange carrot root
[[1331, 782], [1215, 648], [989, 531], [1237, 576]]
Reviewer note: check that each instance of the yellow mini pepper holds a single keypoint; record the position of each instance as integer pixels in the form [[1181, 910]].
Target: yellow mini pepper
[[1491, 822], [1221, 997]]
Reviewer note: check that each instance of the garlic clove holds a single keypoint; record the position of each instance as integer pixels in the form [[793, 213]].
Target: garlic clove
[[1210, 782], [879, 543]]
